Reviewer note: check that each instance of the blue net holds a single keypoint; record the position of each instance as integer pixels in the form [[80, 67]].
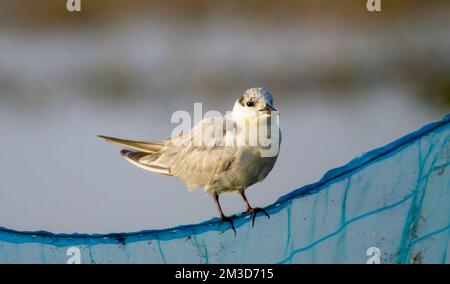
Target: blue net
[[391, 205]]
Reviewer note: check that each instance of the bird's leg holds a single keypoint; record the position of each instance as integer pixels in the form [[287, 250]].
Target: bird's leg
[[252, 210], [222, 216]]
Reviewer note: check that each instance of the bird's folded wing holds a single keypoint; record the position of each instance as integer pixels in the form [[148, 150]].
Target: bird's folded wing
[[198, 165]]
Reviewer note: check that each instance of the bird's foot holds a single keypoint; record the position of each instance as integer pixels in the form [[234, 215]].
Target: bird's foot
[[224, 218], [255, 211]]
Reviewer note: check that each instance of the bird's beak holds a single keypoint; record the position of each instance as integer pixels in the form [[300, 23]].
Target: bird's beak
[[269, 108]]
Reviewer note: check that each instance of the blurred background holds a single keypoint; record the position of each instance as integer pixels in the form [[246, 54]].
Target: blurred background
[[346, 81]]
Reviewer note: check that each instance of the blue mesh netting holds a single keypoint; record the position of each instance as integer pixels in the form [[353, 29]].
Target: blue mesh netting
[[395, 198]]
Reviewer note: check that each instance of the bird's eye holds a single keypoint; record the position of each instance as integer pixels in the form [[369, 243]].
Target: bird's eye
[[250, 104]]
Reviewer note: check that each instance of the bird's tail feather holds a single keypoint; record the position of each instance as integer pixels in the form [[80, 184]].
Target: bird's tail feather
[[144, 161], [144, 146]]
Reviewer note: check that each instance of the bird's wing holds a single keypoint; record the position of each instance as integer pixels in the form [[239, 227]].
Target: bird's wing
[[199, 165]]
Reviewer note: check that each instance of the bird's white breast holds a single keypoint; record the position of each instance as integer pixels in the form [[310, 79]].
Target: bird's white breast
[[249, 165]]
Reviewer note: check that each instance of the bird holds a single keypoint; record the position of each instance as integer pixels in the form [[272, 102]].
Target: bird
[[230, 163]]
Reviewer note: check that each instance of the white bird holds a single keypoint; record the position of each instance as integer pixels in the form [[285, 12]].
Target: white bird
[[220, 166]]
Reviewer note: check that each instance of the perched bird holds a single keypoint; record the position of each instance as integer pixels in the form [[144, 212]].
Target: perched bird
[[229, 161]]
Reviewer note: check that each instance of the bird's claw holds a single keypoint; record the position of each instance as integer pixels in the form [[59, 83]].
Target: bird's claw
[[224, 218], [255, 211]]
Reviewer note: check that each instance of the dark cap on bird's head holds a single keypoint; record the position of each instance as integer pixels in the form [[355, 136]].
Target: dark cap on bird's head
[[255, 99]]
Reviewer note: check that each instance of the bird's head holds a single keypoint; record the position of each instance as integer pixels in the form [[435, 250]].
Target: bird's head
[[252, 103]]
